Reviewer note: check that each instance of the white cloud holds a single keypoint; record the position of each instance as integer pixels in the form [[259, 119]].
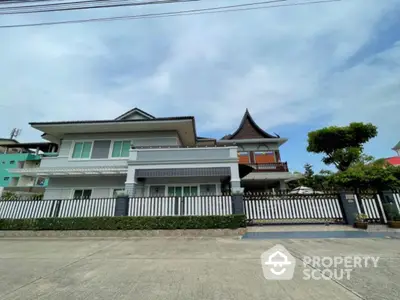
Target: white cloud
[[287, 65]]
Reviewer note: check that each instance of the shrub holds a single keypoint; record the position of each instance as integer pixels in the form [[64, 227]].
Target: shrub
[[125, 223], [361, 218]]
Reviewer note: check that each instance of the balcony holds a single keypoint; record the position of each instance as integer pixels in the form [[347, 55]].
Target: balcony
[[151, 156], [49, 154], [270, 167]]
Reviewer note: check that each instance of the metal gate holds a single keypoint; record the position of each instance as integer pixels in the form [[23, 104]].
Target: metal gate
[[371, 205], [289, 209]]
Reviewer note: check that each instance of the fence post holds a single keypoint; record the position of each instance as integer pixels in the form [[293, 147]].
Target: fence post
[[121, 206], [237, 204], [349, 205]]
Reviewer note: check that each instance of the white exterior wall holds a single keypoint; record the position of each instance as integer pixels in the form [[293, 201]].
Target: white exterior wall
[[101, 186]]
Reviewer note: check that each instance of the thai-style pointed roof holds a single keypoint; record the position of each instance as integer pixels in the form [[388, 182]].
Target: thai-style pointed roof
[[248, 129], [397, 146]]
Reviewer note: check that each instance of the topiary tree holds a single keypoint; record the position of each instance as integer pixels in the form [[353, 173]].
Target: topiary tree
[[342, 146]]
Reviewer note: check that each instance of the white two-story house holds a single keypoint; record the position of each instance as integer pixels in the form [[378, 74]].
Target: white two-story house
[[149, 156]]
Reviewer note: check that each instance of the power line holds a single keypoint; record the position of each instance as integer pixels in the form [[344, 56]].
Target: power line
[[211, 10], [78, 6]]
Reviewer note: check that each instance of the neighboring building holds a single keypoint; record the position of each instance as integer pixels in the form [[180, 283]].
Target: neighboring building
[[16, 156], [259, 150], [149, 156], [395, 160], [5, 142]]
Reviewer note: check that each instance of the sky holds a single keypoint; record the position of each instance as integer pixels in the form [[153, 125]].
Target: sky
[[296, 69]]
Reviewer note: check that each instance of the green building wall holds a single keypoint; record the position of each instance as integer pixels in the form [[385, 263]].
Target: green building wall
[[10, 161]]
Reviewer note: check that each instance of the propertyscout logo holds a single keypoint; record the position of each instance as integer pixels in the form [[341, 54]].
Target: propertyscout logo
[[278, 264]]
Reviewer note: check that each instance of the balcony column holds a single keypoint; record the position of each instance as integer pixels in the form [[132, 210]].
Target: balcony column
[[282, 185], [130, 183], [235, 179]]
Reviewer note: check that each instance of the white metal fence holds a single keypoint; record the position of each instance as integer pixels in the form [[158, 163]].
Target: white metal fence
[[86, 208], [371, 205], [25, 209], [207, 206], [181, 206], [293, 208], [152, 206], [145, 206]]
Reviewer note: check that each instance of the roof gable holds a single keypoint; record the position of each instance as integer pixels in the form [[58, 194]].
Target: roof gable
[[248, 129], [135, 114]]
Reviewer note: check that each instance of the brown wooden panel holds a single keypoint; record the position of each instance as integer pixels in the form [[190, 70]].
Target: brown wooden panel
[[264, 158], [243, 157]]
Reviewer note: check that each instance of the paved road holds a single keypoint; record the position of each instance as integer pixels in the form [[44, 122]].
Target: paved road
[[178, 268]]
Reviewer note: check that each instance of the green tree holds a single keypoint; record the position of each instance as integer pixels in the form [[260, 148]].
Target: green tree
[[372, 176], [312, 180], [342, 146]]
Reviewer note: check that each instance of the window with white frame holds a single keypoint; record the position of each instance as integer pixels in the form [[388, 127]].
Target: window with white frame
[[82, 194], [82, 150], [121, 149], [182, 190]]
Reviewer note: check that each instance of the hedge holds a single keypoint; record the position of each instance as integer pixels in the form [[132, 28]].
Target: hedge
[[125, 223]]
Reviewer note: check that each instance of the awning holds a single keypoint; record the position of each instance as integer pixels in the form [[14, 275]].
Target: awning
[[183, 172], [70, 171]]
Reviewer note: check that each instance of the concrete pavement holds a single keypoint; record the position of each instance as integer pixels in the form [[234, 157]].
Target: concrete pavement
[[185, 268]]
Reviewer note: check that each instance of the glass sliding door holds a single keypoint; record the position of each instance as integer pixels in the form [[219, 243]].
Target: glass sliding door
[[179, 191]]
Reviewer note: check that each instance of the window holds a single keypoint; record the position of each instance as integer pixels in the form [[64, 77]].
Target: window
[[100, 149], [85, 194], [208, 189], [82, 150], [40, 181], [12, 162], [157, 191], [6, 178], [121, 149], [182, 191]]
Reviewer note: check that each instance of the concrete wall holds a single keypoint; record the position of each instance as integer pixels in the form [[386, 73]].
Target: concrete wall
[[101, 186], [65, 162], [183, 155]]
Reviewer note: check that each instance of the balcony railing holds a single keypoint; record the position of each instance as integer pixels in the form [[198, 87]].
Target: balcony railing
[[270, 167], [177, 155]]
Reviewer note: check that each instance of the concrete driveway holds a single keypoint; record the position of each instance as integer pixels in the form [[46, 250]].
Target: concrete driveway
[[185, 268]]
